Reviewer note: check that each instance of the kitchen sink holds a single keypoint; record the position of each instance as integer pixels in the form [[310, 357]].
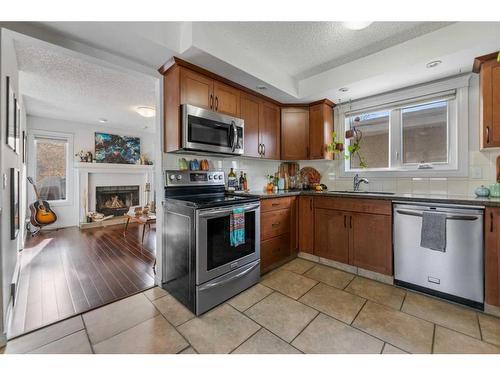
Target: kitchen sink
[[361, 192]]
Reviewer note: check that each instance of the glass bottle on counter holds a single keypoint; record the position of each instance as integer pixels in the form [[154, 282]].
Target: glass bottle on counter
[[232, 180], [245, 182], [241, 182]]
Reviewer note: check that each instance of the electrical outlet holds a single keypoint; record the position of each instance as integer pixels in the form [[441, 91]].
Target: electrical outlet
[[477, 173]]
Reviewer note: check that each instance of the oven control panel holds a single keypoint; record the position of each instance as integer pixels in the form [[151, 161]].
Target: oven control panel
[[194, 178]]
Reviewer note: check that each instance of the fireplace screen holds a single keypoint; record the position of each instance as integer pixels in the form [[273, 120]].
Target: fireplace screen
[[116, 200]]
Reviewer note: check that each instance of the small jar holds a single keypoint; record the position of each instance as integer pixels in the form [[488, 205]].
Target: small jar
[[495, 190]]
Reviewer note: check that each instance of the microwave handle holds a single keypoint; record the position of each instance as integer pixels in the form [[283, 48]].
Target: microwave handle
[[225, 211], [234, 137]]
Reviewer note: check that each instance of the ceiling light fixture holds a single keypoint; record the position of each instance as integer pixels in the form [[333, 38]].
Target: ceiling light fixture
[[261, 87], [103, 120], [344, 89], [433, 64], [146, 111], [356, 25]]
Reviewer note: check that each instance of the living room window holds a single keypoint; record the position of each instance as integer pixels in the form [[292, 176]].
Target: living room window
[[420, 131]]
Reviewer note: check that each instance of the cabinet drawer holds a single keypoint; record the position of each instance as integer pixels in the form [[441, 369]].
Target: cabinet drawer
[[274, 223], [275, 204], [372, 206], [274, 250]]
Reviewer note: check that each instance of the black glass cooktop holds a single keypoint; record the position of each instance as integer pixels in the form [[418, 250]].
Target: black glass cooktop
[[211, 200]]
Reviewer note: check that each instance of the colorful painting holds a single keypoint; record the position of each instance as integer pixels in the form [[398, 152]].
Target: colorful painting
[[111, 148]]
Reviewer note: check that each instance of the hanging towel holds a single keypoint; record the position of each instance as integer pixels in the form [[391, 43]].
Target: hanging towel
[[433, 234], [237, 227]]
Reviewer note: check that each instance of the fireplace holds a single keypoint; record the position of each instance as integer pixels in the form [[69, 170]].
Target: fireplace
[[116, 200]]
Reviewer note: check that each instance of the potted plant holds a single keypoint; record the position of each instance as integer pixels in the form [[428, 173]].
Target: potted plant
[[353, 150]]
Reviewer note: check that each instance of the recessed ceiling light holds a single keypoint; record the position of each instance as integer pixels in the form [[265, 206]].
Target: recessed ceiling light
[[433, 64], [356, 25], [103, 120], [146, 111], [261, 87], [344, 89]]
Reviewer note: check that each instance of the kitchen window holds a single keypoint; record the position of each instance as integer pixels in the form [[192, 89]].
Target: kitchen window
[[419, 131]]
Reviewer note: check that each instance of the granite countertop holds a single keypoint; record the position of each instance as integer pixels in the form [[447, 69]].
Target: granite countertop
[[449, 199]]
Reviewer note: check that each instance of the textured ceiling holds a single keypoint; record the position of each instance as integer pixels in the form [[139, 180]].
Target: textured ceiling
[[61, 86], [303, 49]]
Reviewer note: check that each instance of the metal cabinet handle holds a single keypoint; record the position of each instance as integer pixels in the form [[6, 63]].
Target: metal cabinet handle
[[344, 220], [263, 149], [491, 222], [216, 103], [211, 101], [311, 203], [275, 204], [487, 134], [350, 222]]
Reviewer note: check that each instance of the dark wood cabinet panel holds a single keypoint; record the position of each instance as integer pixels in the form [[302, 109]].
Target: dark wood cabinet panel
[[196, 89], [306, 227], [371, 242], [274, 223], [250, 113], [331, 236], [171, 111], [226, 99], [490, 103], [269, 129], [294, 217], [320, 131], [273, 251], [295, 133], [492, 256]]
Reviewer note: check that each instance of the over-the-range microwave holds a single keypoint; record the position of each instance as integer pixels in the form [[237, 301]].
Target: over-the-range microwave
[[208, 131]]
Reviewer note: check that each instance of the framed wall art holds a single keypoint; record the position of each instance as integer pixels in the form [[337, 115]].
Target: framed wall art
[[111, 148], [11, 116]]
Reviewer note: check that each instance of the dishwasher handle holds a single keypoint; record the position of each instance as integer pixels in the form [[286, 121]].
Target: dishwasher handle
[[448, 217]]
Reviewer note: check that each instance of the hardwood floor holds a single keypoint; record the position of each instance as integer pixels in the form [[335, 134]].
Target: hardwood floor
[[70, 271]]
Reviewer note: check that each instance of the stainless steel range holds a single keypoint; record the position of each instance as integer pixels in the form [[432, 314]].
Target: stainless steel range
[[201, 268]]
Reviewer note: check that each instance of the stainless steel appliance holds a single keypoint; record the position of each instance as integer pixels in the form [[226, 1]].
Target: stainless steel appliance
[[208, 131], [457, 273], [201, 268]]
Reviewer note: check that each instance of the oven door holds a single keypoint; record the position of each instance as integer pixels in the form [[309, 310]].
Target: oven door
[[215, 255], [205, 130]]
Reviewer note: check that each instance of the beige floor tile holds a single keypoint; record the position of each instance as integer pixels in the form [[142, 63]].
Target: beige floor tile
[[189, 350], [264, 342], [331, 276], [175, 312], [329, 336], [44, 336], [442, 313], [250, 297], [155, 293], [447, 341], [154, 336], [289, 283], [76, 343], [402, 330], [218, 331], [490, 328], [298, 265], [334, 302], [389, 349], [387, 295], [282, 315], [117, 317]]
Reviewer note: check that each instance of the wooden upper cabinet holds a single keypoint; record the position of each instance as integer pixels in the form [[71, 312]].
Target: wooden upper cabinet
[[269, 130], [492, 256], [294, 133], [226, 99], [320, 130], [196, 89], [306, 227], [489, 69], [250, 113]]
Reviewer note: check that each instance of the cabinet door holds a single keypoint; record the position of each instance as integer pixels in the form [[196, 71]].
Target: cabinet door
[[196, 89], [320, 131], [331, 235], [306, 227], [226, 99], [490, 104], [371, 242], [273, 251], [269, 130], [492, 256], [295, 133], [249, 110]]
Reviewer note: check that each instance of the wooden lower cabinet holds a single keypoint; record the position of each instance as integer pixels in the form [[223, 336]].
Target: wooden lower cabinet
[[274, 251], [306, 227], [492, 256], [361, 239]]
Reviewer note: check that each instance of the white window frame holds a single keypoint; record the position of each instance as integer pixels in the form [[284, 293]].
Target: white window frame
[[458, 125], [32, 162]]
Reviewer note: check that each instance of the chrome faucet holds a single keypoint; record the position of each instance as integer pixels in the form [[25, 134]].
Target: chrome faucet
[[358, 180]]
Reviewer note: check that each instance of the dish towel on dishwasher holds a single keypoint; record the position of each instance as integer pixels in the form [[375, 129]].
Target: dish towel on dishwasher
[[433, 234], [237, 227]]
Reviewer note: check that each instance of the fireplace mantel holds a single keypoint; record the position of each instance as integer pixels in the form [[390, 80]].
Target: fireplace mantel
[[89, 167]]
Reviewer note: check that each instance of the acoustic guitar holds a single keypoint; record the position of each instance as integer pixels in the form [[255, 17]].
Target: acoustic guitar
[[41, 213]]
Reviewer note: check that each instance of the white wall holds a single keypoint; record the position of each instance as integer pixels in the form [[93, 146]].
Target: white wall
[[83, 139], [8, 159]]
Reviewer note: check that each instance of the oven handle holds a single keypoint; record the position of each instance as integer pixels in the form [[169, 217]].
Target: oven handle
[[222, 211], [225, 281], [448, 217]]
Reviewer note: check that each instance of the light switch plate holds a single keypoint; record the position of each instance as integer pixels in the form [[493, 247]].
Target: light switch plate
[[477, 173]]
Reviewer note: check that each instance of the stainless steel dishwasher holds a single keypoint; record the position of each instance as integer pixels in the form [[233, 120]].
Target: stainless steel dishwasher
[[457, 273]]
